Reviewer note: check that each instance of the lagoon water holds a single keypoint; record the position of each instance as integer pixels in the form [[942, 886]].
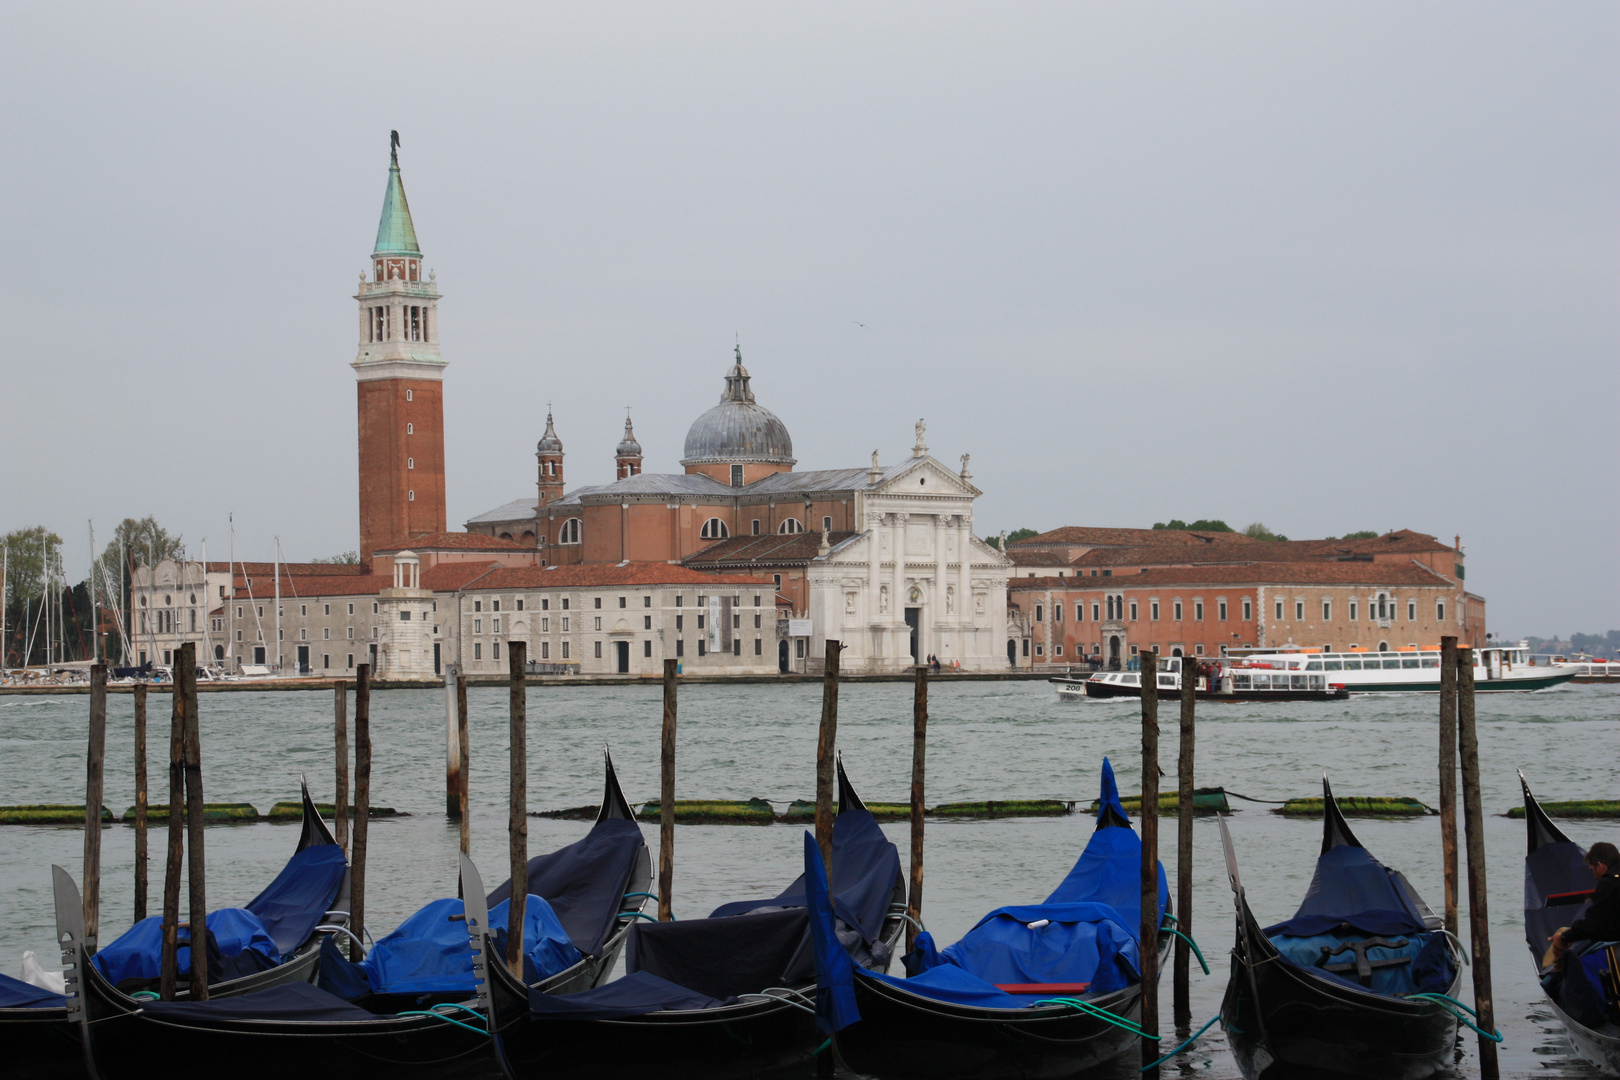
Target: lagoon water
[[986, 740]]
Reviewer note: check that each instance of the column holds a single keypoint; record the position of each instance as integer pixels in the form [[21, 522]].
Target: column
[[969, 636], [899, 636], [874, 523]]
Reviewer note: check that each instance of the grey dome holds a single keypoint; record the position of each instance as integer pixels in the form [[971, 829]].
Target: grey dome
[[549, 443], [738, 429], [628, 447]]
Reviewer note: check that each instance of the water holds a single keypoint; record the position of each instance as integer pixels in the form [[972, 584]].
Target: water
[[986, 740]]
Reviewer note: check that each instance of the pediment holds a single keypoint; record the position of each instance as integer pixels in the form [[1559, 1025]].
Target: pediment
[[926, 476]]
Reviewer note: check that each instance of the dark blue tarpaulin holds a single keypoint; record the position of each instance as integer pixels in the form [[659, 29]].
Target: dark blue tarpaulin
[[1350, 886], [289, 1001], [637, 994], [835, 971], [585, 882], [292, 905], [16, 994], [137, 954], [430, 953], [1109, 870]]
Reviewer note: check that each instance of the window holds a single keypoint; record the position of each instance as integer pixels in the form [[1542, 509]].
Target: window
[[569, 533], [1037, 613], [1040, 650], [598, 625], [736, 646], [494, 626], [494, 650], [1153, 610], [1096, 610], [478, 605], [756, 526], [714, 529], [736, 481], [598, 645], [680, 645], [1133, 611], [351, 610], [351, 633], [494, 605], [1411, 611], [1220, 610], [545, 625], [410, 463], [700, 624], [478, 626], [1176, 610], [545, 603], [736, 622], [777, 578], [1057, 612], [410, 496], [680, 621], [1248, 609], [350, 660], [565, 624], [565, 650], [1198, 611], [1057, 650], [679, 599], [239, 608], [407, 395], [759, 647], [1279, 610], [1299, 611], [565, 603], [374, 607], [1198, 650], [303, 609], [756, 601], [326, 609], [1080, 611], [478, 651], [1352, 611], [239, 633], [410, 429], [790, 525], [646, 647], [520, 603], [596, 602], [1327, 611], [621, 601], [1440, 611], [826, 524], [326, 633], [703, 646], [545, 650], [326, 660], [646, 622]]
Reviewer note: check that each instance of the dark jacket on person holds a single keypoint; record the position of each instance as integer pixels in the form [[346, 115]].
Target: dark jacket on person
[[1602, 920]]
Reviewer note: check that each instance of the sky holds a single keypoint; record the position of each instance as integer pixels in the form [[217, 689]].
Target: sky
[[1327, 267]]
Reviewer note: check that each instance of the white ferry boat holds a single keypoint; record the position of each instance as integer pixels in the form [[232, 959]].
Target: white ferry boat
[[1586, 668], [1217, 680], [1497, 669]]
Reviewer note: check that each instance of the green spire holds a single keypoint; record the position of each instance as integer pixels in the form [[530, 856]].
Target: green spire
[[395, 233]]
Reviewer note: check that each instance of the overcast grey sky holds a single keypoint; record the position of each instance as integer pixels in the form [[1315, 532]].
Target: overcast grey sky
[[1325, 266]]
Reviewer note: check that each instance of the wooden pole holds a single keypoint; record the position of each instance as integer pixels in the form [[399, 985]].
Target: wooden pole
[[362, 810], [141, 799], [919, 743], [1474, 828], [1448, 777], [465, 752], [452, 747], [340, 741], [185, 688], [518, 822], [1184, 843], [95, 769], [169, 964], [1149, 664], [666, 801], [826, 747]]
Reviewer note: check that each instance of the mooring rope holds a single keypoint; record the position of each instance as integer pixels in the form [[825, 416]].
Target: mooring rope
[[1452, 1004], [1196, 951], [1100, 1013], [448, 1019], [1183, 1046]]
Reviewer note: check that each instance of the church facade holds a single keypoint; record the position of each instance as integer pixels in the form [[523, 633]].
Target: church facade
[[881, 558]]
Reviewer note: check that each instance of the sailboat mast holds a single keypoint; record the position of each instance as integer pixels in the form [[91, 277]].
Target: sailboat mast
[[5, 567], [277, 556], [202, 570], [95, 608]]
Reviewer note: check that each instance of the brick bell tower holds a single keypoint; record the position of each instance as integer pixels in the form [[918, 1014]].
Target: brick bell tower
[[401, 380]]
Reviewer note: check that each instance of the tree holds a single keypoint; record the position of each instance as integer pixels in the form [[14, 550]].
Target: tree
[[1364, 534], [30, 556], [342, 558], [1014, 536], [1201, 525], [1258, 531], [134, 543]]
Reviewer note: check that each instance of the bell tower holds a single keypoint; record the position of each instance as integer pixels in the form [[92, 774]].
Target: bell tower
[[548, 452], [400, 384]]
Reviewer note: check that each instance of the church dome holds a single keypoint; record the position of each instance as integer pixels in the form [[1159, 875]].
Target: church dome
[[738, 429], [628, 447], [549, 443]]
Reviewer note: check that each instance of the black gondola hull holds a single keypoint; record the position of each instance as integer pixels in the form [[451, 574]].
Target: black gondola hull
[[904, 1036], [40, 1043]]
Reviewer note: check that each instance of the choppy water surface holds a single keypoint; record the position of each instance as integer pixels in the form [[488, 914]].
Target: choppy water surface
[[986, 740]]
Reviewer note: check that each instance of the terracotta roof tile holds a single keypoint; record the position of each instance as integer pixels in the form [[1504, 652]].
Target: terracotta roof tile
[[1303, 572], [774, 549], [597, 575], [446, 577], [1093, 535], [453, 541]]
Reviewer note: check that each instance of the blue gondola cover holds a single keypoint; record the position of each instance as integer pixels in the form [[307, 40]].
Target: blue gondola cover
[[835, 971], [1350, 886], [584, 882], [137, 954], [289, 1001], [637, 994], [292, 905], [16, 994], [431, 954]]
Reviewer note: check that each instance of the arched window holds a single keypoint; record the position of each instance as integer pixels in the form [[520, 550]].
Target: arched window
[[791, 525], [569, 533], [714, 529]]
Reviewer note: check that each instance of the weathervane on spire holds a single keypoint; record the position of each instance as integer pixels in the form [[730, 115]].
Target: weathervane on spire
[[393, 144]]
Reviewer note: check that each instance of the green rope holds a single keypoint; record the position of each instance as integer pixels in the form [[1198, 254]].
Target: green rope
[[1196, 952], [1100, 1013], [446, 1019], [1182, 1047], [633, 895], [463, 1008], [146, 995], [1453, 1005], [822, 1047]]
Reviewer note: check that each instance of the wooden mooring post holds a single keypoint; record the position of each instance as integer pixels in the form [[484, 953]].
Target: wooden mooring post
[[1149, 937], [518, 820], [464, 814], [452, 746], [362, 811], [168, 970], [1448, 778], [666, 800], [1479, 925], [185, 691], [340, 746], [919, 746], [1184, 844], [141, 802], [95, 775], [826, 750]]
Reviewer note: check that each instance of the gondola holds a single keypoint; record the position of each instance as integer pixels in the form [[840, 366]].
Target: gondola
[[727, 996], [311, 891], [1329, 993], [435, 1025], [1557, 891], [989, 1008]]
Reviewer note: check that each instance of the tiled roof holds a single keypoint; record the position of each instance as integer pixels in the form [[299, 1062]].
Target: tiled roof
[[1249, 550], [265, 569], [453, 541], [1304, 572], [607, 576], [515, 510], [1092, 535], [1036, 558], [775, 549], [446, 577]]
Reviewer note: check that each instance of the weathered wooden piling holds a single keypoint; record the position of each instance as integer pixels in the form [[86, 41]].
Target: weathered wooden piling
[[185, 690], [518, 822], [340, 740], [666, 800], [1448, 777], [463, 748], [168, 971], [1149, 936], [1474, 828], [919, 744], [452, 747], [1184, 843], [362, 810], [95, 775], [141, 802], [826, 748]]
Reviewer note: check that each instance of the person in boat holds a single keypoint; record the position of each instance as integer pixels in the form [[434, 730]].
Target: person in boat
[[1602, 920]]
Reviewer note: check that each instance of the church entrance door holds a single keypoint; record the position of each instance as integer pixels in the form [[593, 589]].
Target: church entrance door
[[623, 648], [1113, 652], [912, 618], [782, 656]]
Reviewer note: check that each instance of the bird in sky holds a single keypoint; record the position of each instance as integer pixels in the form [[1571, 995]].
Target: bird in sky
[[860, 324]]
